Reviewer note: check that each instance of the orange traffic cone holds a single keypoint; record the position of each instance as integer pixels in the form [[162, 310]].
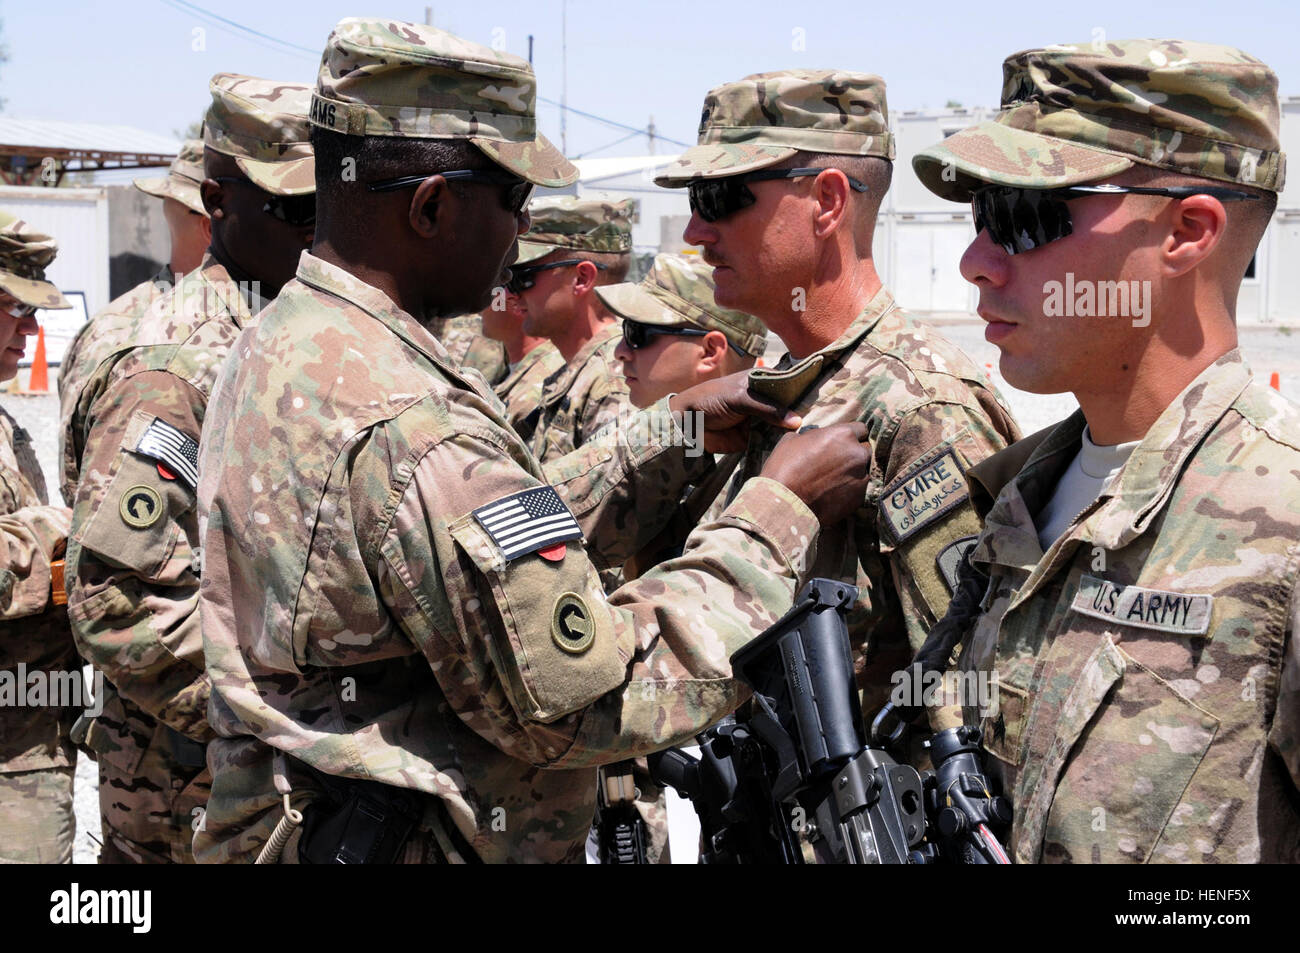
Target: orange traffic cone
[[39, 381], [1275, 382]]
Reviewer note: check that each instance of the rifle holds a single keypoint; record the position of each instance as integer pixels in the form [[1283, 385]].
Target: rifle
[[620, 829], [792, 778]]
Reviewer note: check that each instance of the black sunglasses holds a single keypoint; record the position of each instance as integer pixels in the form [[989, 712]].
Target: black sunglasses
[[19, 309], [515, 197], [1019, 220], [715, 199], [637, 335], [524, 277], [297, 210]]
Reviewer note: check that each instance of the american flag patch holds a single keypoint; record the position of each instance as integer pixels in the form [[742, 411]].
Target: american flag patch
[[526, 522], [177, 450]]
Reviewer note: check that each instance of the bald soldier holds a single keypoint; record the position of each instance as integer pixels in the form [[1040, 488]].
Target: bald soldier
[[573, 247], [411, 655], [189, 229], [784, 186], [133, 557], [1134, 588], [37, 758]]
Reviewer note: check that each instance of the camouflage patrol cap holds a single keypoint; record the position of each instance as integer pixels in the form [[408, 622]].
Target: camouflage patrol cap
[[566, 222], [388, 78], [678, 292], [183, 178], [263, 124], [1080, 113], [768, 117], [24, 255]]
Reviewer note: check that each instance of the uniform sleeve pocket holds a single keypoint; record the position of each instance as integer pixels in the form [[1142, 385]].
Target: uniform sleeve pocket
[[555, 646], [136, 525]]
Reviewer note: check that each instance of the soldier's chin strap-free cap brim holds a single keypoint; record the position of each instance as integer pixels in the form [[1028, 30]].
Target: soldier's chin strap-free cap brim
[[539, 161], [993, 154], [33, 292], [294, 177]]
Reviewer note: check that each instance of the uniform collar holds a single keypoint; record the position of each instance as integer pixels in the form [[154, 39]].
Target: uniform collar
[[1147, 480], [333, 280], [1127, 506], [212, 274], [558, 384], [524, 365], [790, 380]]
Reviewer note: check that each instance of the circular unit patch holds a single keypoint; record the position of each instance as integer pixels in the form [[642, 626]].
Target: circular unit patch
[[572, 627], [140, 506]]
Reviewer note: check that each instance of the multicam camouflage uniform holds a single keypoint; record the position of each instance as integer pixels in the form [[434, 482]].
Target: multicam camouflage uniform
[[1147, 702], [460, 334], [580, 398], [110, 328], [589, 391], [676, 291], [488, 357], [37, 759], [133, 557], [521, 389], [358, 613], [930, 412]]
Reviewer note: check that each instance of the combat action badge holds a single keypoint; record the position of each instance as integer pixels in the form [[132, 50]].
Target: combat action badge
[[140, 506]]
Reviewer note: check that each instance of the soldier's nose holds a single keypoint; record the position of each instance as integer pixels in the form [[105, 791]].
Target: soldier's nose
[[985, 262], [698, 231]]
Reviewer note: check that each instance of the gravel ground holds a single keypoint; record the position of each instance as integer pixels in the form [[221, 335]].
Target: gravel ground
[[1267, 350]]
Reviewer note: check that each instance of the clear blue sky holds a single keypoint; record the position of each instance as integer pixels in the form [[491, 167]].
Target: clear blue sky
[[133, 62]]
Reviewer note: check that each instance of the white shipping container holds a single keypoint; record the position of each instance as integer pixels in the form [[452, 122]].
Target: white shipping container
[[78, 221]]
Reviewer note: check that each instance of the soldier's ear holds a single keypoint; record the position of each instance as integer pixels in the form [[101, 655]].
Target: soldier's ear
[[214, 198], [584, 278], [713, 351], [427, 206]]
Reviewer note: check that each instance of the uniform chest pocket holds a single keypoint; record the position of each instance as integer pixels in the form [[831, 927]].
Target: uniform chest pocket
[[1124, 747]]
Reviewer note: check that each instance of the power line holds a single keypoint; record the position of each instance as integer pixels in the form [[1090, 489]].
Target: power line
[[630, 135], [194, 8], [315, 54], [640, 131]]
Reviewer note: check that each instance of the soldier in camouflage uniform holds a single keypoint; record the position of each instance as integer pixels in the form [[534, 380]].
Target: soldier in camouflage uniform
[[674, 334], [462, 336], [573, 247], [37, 759], [133, 556], [531, 361], [1135, 586], [190, 230], [682, 337], [405, 637], [785, 185]]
